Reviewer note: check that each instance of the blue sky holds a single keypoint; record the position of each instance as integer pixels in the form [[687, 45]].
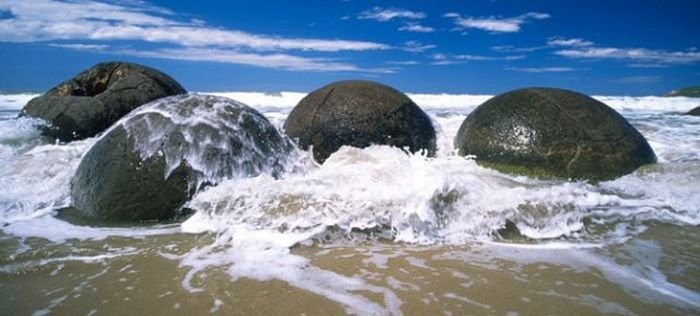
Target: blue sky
[[489, 47]]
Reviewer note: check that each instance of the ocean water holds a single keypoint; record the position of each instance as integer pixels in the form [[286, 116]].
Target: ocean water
[[371, 231]]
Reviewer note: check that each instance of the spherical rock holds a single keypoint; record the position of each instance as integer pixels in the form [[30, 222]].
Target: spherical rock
[[695, 111], [154, 159], [88, 104], [549, 132], [359, 114]]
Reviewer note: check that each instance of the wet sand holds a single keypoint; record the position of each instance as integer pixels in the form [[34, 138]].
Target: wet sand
[[144, 275]]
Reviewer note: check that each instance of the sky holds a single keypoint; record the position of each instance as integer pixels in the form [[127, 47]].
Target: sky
[[639, 47]]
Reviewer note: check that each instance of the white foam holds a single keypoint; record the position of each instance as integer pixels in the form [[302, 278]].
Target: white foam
[[674, 138], [18, 135], [37, 181], [650, 103], [448, 101], [641, 278], [53, 229], [644, 277], [207, 132], [264, 255], [15, 101], [666, 192], [397, 187], [470, 101], [382, 192], [264, 100], [411, 197], [288, 99]]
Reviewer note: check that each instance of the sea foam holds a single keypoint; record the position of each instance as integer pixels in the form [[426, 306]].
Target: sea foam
[[288, 99], [383, 193]]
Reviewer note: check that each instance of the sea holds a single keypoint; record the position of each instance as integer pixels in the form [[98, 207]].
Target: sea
[[372, 231]]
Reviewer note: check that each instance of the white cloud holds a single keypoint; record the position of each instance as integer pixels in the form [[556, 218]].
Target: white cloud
[[403, 62], [416, 47], [495, 24], [198, 22], [415, 27], [536, 15], [568, 42], [383, 15], [488, 58], [443, 59], [277, 61], [47, 20], [79, 46], [541, 69], [638, 55], [56, 22], [513, 49]]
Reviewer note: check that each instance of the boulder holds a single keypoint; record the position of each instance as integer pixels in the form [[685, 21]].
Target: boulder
[[549, 132], [154, 159], [359, 114], [92, 101], [695, 111]]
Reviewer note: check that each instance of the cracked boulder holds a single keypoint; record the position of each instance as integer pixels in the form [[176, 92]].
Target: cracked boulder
[[88, 104], [547, 132], [359, 114]]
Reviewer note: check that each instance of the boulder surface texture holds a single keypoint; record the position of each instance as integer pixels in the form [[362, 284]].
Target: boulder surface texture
[[547, 132], [88, 104], [359, 114], [153, 160]]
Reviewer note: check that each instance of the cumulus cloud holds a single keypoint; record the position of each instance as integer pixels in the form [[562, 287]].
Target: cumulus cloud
[[415, 27], [383, 15], [495, 24], [135, 21], [541, 69]]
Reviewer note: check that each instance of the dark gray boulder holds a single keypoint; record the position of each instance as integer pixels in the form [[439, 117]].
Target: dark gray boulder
[[549, 132], [88, 104], [359, 114], [695, 111], [154, 159]]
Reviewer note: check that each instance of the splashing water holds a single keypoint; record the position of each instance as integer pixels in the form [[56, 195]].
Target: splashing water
[[219, 138], [374, 230]]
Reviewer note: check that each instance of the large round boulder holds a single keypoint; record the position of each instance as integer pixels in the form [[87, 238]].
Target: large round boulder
[[88, 104], [359, 114], [154, 159], [548, 132]]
